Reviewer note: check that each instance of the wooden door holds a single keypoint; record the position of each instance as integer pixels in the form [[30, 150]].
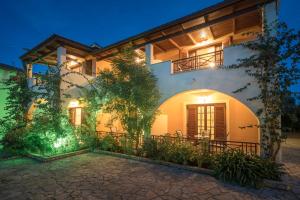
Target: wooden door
[[192, 126], [220, 121], [72, 115], [209, 118]]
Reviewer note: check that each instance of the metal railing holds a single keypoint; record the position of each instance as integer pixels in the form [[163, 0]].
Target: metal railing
[[203, 145], [202, 61], [213, 146]]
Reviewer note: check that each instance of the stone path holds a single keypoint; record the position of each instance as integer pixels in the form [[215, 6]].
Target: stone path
[[95, 176], [291, 159]]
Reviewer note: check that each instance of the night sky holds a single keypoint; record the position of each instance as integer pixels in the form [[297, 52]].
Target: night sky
[[25, 23]]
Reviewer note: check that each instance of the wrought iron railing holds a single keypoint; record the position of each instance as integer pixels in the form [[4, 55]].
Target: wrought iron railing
[[202, 61], [203, 145]]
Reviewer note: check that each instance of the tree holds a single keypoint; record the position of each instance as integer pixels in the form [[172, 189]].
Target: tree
[[50, 130], [130, 91], [14, 123], [274, 66]]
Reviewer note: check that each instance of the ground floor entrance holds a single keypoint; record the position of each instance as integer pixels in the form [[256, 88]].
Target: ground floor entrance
[[206, 121], [207, 114]]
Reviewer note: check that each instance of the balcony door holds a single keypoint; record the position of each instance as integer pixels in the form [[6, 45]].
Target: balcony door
[[206, 121]]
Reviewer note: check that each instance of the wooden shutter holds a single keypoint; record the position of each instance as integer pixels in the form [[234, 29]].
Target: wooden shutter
[[89, 67], [83, 116], [72, 115], [191, 121], [220, 122]]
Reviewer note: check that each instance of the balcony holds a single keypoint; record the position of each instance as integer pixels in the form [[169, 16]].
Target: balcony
[[202, 61]]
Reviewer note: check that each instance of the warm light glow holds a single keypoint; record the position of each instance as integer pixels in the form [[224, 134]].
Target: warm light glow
[[72, 63], [204, 99], [203, 35], [138, 60], [73, 104], [203, 43], [212, 64], [60, 142]]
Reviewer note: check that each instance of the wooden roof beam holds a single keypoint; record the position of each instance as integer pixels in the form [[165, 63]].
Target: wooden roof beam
[[209, 28], [233, 22], [191, 38], [172, 41], [197, 27], [159, 47], [42, 57], [234, 26], [189, 35]]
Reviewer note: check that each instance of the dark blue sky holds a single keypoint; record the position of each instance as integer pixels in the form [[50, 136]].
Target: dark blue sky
[[25, 23]]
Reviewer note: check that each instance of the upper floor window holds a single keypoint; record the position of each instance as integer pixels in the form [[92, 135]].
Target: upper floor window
[[89, 68]]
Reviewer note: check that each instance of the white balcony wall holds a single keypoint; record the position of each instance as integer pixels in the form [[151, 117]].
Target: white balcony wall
[[219, 79], [74, 78]]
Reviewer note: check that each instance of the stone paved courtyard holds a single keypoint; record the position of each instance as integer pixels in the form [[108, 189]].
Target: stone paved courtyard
[[95, 176], [291, 159]]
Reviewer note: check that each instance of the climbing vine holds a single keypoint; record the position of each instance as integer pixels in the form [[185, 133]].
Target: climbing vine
[[275, 67]]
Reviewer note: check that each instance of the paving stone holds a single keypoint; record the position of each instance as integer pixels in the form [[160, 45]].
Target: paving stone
[[94, 176]]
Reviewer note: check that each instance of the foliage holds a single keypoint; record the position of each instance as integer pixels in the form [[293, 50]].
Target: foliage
[[14, 123], [50, 131], [14, 141], [177, 151], [150, 148], [130, 92], [290, 118], [108, 143], [274, 66], [43, 138], [246, 170], [92, 106]]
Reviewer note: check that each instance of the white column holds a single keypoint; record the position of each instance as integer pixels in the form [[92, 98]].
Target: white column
[[29, 70], [270, 14], [30, 80], [61, 55], [149, 54], [61, 63]]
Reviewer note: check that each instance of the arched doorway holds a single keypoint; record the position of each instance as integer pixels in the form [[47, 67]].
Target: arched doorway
[[207, 114]]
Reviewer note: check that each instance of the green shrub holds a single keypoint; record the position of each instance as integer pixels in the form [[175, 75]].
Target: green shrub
[[205, 160], [127, 145], [164, 148], [150, 148], [272, 170], [246, 170], [13, 141], [108, 143], [182, 153], [37, 143], [176, 151]]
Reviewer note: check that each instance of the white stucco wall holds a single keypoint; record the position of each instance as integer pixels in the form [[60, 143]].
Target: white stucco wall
[[222, 80], [74, 78]]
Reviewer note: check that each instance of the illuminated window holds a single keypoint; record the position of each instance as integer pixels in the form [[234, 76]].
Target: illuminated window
[[76, 116], [206, 121]]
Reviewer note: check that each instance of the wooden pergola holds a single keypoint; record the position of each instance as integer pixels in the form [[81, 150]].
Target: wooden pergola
[[229, 16], [46, 52]]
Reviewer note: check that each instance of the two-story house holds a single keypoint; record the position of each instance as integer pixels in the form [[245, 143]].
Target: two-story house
[[186, 56]]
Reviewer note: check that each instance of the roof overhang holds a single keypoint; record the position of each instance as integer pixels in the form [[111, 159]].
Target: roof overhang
[[213, 15], [9, 67], [45, 52]]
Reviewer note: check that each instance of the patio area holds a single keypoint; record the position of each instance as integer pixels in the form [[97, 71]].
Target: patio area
[[95, 176]]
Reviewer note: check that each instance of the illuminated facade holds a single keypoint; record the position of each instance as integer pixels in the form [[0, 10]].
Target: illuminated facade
[[186, 56]]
